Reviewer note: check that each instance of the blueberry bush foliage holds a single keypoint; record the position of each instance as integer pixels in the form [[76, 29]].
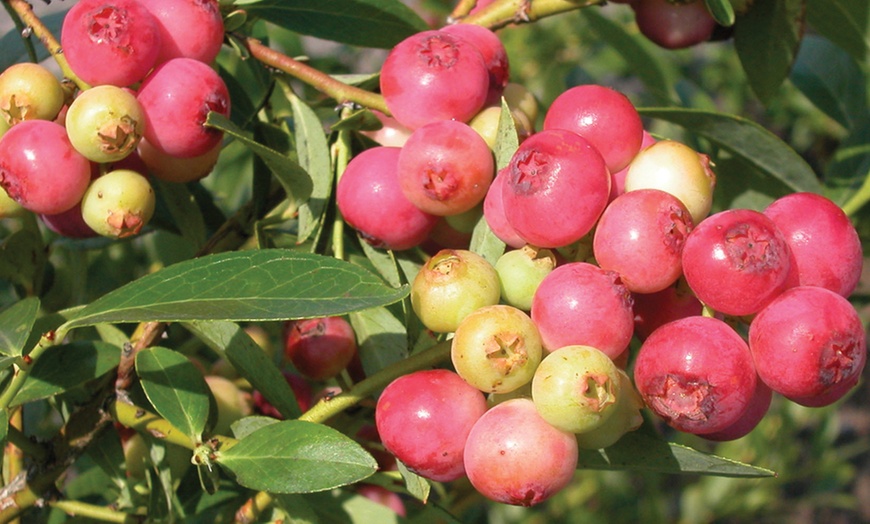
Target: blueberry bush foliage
[[106, 344]]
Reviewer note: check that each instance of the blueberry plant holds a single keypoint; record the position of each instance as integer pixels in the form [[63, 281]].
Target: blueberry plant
[[242, 284]]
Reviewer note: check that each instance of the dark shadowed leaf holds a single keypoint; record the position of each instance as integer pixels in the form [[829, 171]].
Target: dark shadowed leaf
[[367, 23], [844, 22], [16, 322], [767, 40], [175, 388], [66, 366], [268, 284], [747, 140], [297, 457]]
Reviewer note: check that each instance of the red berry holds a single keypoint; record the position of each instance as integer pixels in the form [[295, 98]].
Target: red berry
[[188, 28], [319, 348], [494, 56], [674, 24]]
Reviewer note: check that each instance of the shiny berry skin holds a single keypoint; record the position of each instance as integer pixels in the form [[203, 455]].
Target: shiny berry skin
[[556, 189], [118, 204], [188, 28], [674, 25], [40, 169], [29, 91], [424, 419], [640, 235], [736, 261], [319, 348], [110, 42], [697, 374], [176, 169], [431, 76], [604, 117], [493, 52], [826, 248], [177, 98], [105, 123], [496, 349], [677, 169], [813, 333], [445, 168], [514, 456], [391, 133], [576, 388], [371, 201], [452, 284], [581, 304]]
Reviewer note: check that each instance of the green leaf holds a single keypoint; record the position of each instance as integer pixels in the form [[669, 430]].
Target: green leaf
[[367, 23], [831, 80], [639, 54], [297, 457], [313, 153], [4, 424], [722, 11], [767, 39], [22, 258], [16, 322], [295, 181], [184, 210], [642, 450], [175, 388], [746, 139], [417, 486], [506, 139], [844, 22], [260, 285], [249, 359], [381, 337], [66, 366], [485, 243]]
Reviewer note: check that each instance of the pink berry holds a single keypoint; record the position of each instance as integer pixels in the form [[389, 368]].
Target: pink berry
[[176, 99], [736, 261], [652, 310], [514, 456], [697, 374], [493, 211], [604, 117], [581, 304], [445, 168], [825, 245], [371, 201], [494, 56], [807, 342], [424, 419], [431, 76], [40, 169], [188, 28], [640, 236], [319, 348], [110, 41], [557, 187]]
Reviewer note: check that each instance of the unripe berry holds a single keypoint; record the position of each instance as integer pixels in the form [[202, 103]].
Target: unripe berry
[[232, 403], [520, 272], [29, 91], [118, 204], [105, 123], [175, 169], [626, 417]]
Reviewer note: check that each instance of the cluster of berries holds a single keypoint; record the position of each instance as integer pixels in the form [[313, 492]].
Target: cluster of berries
[[80, 158], [610, 238]]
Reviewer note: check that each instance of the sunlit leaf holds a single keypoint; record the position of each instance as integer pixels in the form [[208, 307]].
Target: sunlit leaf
[[313, 153]]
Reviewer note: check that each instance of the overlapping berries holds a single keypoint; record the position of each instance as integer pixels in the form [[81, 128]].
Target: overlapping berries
[[81, 158], [610, 238]]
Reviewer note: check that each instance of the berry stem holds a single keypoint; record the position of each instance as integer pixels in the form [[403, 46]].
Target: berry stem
[[32, 22], [463, 7], [340, 91], [341, 154], [504, 12], [859, 199]]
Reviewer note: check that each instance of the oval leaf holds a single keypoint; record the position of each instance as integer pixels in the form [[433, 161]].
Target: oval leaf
[[175, 388], [843, 22], [297, 457], [642, 450], [313, 153], [722, 11], [267, 284], [766, 39], [66, 366], [16, 322], [744, 138], [367, 23], [249, 359]]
